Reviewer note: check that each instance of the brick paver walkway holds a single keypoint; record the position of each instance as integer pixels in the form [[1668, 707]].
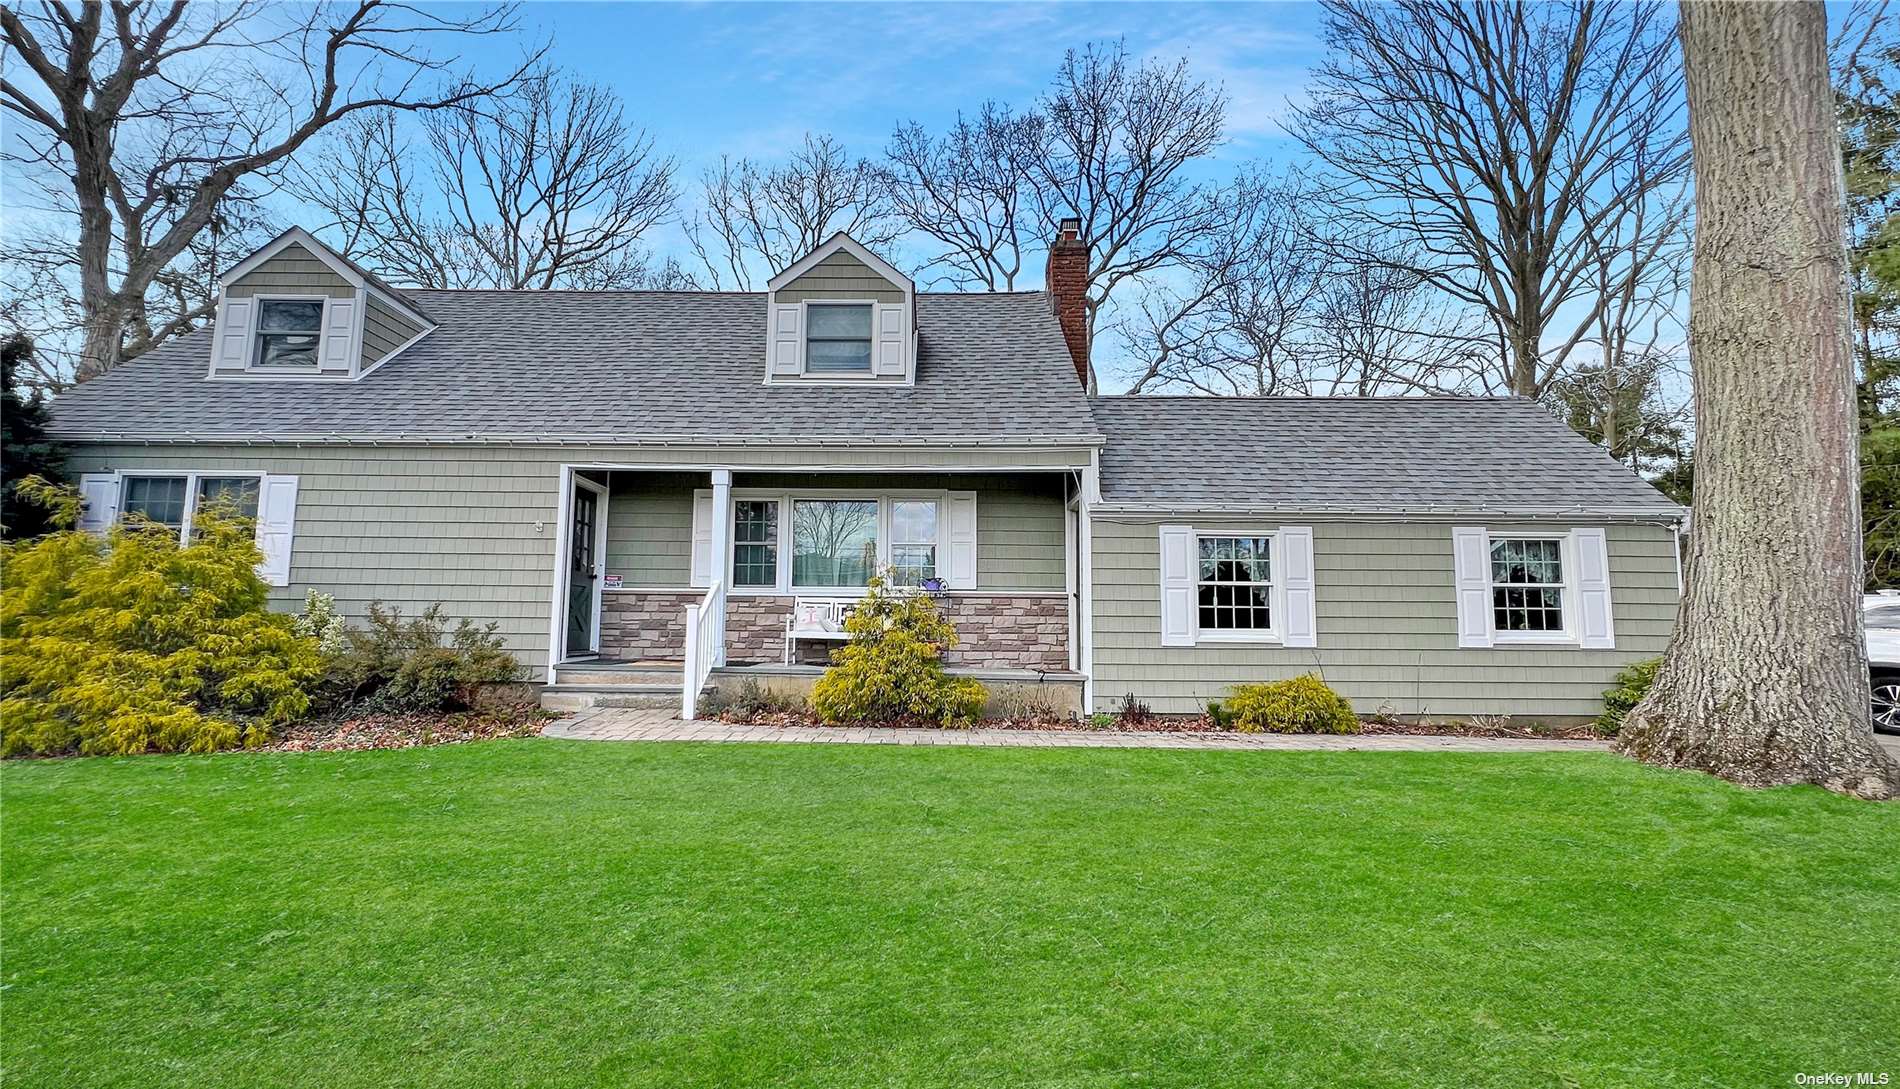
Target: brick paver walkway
[[641, 724]]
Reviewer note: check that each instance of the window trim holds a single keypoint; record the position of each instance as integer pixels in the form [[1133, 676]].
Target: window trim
[[804, 345], [935, 544], [786, 549], [1571, 635], [1272, 635], [191, 477], [777, 543], [254, 361]]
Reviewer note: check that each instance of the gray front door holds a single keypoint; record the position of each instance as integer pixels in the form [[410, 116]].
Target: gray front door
[[581, 573]]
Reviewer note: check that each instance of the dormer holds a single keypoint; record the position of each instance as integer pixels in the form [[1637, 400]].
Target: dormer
[[295, 310], [841, 316]]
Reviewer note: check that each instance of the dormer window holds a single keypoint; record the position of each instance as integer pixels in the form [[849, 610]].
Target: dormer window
[[838, 338], [288, 333], [841, 316], [294, 311]]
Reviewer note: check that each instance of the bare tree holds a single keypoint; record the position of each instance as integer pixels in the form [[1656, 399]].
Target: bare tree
[[1765, 681], [760, 218], [1377, 330], [1238, 324], [144, 118], [544, 187], [1512, 146], [1268, 306], [1117, 139], [41, 295], [972, 192]]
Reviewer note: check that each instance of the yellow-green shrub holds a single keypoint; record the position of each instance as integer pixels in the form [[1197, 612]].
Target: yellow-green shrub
[[892, 669], [1300, 705], [131, 643]]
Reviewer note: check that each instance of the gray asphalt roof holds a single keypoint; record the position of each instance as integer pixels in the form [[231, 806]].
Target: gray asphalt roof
[[1359, 455], [614, 366]]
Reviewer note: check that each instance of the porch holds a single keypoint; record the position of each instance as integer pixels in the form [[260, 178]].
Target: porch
[[675, 580]]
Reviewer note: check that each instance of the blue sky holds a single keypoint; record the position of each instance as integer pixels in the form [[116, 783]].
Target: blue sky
[[751, 79]]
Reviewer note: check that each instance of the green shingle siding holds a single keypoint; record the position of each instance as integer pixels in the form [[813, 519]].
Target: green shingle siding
[[292, 271], [650, 528], [1387, 623], [384, 330], [840, 276]]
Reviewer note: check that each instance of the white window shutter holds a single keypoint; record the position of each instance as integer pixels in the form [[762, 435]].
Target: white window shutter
[[892, 339], [788, 338], [702, 573], [1177, 586], [1595, 627], [99, 496], [959, 540], [236, 322], [1471, 559], [339, 335], [276, 527], [1298, 620]]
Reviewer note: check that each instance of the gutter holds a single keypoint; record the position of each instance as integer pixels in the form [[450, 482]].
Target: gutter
[[400, 439], [1395, 513]]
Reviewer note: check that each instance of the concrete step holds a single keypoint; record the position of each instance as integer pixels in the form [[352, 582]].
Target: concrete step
[[580, 697], [615, 675]]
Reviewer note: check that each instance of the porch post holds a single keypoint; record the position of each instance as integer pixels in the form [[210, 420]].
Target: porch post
[[721, 554], [1085, 591]]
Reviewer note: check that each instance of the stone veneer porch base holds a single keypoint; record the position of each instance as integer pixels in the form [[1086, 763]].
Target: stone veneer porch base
[[995, 630]]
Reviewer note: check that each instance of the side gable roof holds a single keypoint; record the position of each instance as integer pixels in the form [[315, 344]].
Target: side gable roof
[[614, 367], [1360, 456]]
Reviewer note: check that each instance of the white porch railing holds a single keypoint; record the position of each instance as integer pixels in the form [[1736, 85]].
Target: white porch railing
[[705, 644]]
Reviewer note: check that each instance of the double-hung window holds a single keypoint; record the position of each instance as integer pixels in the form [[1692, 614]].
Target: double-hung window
[[1527, 586], [838, 338], [173, 501], [288, 333], [913, 541], [1234, 585], [755, 542]]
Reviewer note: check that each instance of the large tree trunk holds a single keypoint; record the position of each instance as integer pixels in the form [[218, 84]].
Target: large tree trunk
[[102, 340], [1765, 682]]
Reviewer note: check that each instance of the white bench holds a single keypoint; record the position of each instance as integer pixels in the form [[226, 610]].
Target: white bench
[[816, 618]]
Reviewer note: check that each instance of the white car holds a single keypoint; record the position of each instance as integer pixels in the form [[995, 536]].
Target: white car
[[1882, 615]]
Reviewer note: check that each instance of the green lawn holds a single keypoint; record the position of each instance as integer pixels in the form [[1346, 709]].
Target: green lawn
[[538, 913]]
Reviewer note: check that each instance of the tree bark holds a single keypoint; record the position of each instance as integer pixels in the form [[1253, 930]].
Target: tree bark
[[1765, 682]]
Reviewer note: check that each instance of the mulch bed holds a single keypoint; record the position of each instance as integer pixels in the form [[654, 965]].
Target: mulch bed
[[1483, 728], [1195, 724], [352, 732]]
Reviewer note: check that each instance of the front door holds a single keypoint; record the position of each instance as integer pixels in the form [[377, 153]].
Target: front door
[[582, 571]]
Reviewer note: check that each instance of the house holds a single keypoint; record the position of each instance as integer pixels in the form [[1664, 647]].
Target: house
[[655, 491]]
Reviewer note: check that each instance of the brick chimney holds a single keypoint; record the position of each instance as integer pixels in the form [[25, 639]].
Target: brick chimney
[[1067, 281]]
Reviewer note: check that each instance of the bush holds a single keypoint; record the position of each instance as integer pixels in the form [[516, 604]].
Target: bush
[[1626, 691], [1300, 705], [892, 669], [1135, 715], [406, 665], [320, 621], [131, 643]]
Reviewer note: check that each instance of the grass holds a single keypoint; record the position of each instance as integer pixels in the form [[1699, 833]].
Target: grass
[[535, 913]]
